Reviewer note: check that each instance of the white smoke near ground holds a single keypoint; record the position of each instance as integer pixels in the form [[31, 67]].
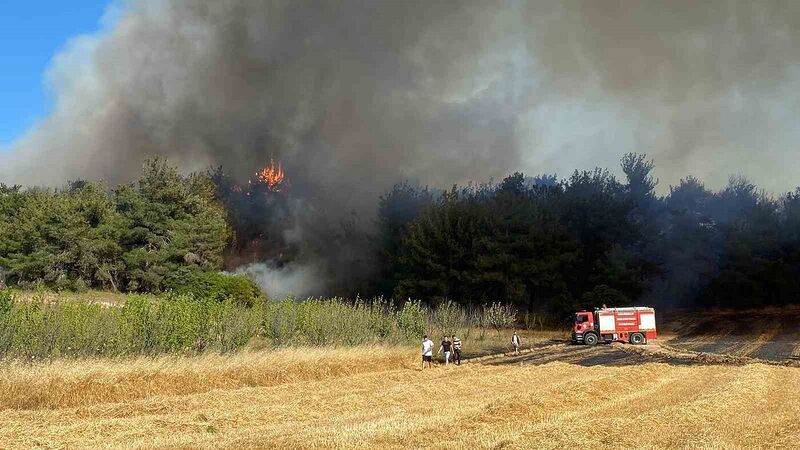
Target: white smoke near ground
[[293, 280]]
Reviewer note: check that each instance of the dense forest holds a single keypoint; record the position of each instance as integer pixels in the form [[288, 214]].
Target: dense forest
[[540, 243], [553, 245]]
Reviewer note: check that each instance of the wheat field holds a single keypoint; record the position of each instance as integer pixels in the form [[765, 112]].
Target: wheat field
[[380, 398]]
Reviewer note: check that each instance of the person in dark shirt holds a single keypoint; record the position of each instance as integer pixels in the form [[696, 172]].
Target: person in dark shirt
[[456, 350], [446, 346]]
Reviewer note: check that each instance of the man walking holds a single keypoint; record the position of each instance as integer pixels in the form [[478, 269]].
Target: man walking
[[456, 350], [427, 351], [515, 342], [446, 344]]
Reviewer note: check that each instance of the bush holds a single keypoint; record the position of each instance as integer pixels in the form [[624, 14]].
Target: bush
[[234, 325], [330, 322], [6, 301], [216, 286], [185, 324], [80, 286], [412, 320], [499, 316], [178, 322], [449, 318], [280, 321]]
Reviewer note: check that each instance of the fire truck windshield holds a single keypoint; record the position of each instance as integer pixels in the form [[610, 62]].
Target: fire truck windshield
[[580, 318]]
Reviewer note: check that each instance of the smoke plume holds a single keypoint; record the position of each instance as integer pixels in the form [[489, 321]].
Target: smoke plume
[[352, 96], [304, 280]]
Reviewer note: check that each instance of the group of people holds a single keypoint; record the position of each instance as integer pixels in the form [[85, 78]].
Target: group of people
[[452, 347]]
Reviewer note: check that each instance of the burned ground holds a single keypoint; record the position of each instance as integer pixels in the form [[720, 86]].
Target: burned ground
[[770, 335], [688, 338]]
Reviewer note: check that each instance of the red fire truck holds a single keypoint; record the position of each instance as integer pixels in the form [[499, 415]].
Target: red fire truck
[[636, 325]]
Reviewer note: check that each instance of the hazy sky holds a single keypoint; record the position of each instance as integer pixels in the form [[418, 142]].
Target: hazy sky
[[354, 95]]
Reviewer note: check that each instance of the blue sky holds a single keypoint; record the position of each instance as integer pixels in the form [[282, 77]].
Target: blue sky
[[31, 33]]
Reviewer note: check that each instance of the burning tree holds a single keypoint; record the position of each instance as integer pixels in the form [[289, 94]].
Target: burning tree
[[258, 212], [271, 176]]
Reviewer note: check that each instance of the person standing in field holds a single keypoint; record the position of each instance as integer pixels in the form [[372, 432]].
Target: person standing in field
[[515, 342], [427, 351], [446, 345], [456, 350]]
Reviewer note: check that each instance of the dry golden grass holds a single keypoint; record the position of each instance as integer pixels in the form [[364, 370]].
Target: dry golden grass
[[72, 383], [493, 343], [379, 398]]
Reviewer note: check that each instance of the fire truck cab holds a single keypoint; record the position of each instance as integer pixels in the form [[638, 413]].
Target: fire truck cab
[[635, 325]]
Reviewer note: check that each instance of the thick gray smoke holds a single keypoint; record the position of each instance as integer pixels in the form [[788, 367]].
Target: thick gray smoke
[[353, 96]]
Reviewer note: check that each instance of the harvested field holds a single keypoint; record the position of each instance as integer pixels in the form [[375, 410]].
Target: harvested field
[[672, 393], [554, 396], [770, 335]]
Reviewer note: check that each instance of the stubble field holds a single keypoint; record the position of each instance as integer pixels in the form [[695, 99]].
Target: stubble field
[[555, 396]]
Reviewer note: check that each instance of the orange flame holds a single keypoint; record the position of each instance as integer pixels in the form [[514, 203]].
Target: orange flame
[[272, 176]]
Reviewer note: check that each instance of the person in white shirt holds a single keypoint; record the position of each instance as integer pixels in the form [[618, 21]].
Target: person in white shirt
[[515, 342], [427, 351]]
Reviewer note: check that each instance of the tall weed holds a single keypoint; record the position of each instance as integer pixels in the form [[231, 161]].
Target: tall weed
[[182, 323]]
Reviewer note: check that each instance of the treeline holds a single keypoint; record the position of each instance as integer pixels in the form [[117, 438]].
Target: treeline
[[155, 234], [555, 245], [541, 244]]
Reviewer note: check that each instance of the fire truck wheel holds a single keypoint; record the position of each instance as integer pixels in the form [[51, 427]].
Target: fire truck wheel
[[590, 339], [637, 339]]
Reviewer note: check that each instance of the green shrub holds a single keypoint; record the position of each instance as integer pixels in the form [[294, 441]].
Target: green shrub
[[448, 318], [78, 329], [412, 320], [25, 328], [281, 321], [233, 325], [382, 318], [215, 286], [80, 286], [134, 333], [498, 316], [185, 324], [6, 301], [177, 322]]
